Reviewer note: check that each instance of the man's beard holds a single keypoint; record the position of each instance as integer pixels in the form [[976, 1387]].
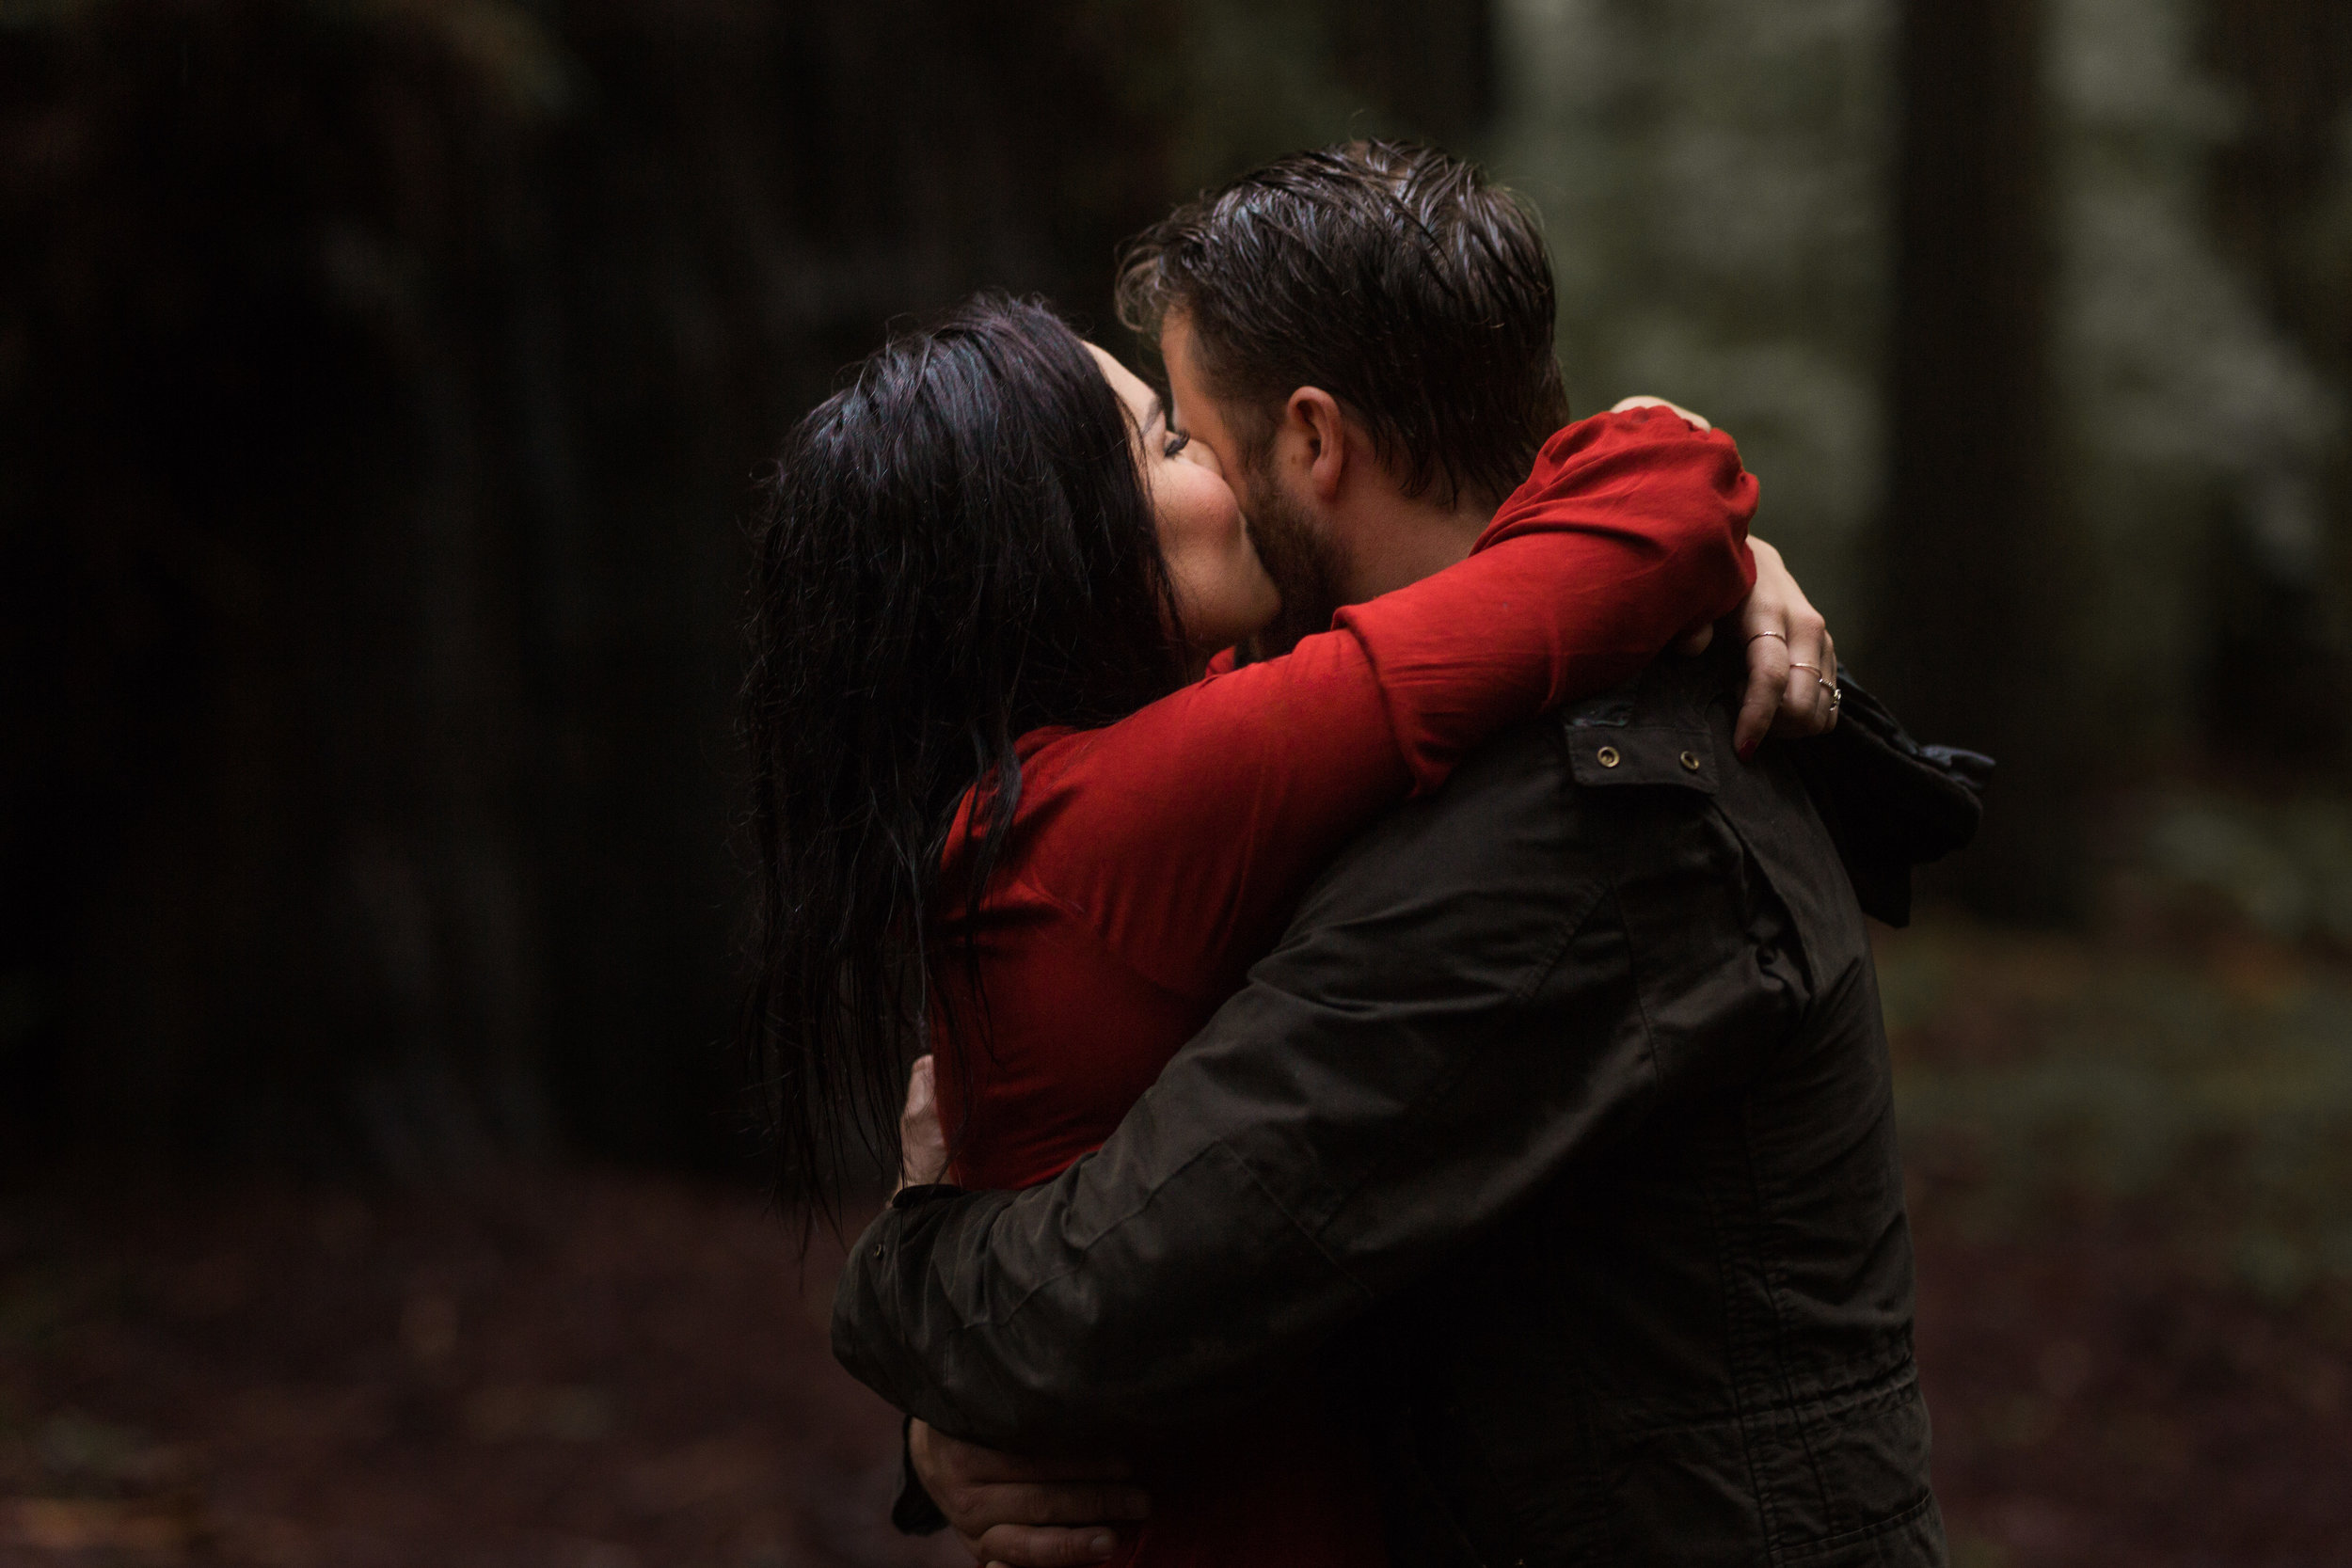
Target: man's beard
[[1305, 567]]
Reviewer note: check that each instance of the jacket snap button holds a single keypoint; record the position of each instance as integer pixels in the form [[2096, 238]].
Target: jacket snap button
[[1690, 762], [1608, 757]]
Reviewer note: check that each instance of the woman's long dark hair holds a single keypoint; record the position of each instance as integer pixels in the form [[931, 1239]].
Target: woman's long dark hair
[[956, 548]]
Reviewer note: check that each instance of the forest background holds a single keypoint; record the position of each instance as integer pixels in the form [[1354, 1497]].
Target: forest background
[[384, 386]]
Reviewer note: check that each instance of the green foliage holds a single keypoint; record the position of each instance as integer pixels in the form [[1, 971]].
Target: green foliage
[[1717, 177], [2212, 1095], [1712, 174], [2282, 868], [2188, 409]]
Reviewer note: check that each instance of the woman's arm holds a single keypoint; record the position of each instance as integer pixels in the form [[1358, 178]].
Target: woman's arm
[[1185, 832], [1632, 530]]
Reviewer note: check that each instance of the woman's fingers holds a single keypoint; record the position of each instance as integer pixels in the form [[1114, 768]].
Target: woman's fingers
[[1026, 1512], [1828, 668], [1768, 686], [922, 1143], [1792, 662], [1694, 421], [1696, 641], [970, 1465], [1764, 625], [1779, 618], [1038, 1546], [1806, 708], [1043, 1524], [1062, 1503]]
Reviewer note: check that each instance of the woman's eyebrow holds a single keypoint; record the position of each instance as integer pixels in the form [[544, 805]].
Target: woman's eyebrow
[[1156, 413]]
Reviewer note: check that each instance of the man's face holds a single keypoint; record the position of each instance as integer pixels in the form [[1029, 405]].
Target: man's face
[[1305, 562]]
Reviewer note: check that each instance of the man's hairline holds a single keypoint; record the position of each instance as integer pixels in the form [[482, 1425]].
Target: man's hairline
[[1254, 447]]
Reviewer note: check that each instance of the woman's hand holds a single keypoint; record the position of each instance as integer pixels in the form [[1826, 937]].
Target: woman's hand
[[922, 1147], [1021, 1513], [1693, 421], [1792, 664]]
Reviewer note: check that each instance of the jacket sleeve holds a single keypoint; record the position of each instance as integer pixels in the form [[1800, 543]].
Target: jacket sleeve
[[1452, 1017]]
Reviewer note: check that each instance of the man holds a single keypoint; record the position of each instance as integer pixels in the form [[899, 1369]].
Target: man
[[1559, 1124]]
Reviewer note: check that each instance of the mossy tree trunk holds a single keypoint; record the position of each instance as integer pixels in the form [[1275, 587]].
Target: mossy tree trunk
[[2280, 667]]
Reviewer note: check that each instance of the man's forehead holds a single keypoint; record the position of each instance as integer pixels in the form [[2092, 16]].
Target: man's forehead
[[1175, 336], [1176, 355]]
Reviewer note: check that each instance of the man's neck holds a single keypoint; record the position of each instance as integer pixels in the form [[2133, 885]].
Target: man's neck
[[1397, 541]]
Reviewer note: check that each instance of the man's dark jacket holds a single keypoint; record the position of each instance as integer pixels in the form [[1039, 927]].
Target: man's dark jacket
[[1559, 1124]]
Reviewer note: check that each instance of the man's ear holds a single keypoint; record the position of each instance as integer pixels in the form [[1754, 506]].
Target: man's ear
[[1318, 439]]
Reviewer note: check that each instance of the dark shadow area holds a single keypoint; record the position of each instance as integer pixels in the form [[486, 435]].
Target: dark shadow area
[[384, 389]]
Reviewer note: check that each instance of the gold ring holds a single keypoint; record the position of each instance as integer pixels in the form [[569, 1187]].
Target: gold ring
[[1782, 635]]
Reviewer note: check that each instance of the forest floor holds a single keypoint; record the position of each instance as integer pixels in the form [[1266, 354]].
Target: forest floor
[[2131, 1180], [2130, 1176]]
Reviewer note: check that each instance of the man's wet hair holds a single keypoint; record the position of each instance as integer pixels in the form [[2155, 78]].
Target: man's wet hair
[[1396, 278]]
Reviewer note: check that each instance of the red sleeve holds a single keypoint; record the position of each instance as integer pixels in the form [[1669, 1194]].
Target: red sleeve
[[1185, 832], [1632, 530]]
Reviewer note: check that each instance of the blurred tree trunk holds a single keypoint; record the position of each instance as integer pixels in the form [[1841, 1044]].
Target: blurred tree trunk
[[2281, 675], [1972, 564]]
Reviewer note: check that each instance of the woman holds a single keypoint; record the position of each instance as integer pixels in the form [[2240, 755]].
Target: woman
[[994, 818]]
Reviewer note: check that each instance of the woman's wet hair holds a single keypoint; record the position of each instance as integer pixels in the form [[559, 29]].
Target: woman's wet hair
[[955, 549]]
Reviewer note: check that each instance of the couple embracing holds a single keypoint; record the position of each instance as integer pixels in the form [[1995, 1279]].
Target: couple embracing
[[1376, 874]]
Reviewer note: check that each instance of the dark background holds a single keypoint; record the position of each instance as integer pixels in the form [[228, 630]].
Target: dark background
[[383, 387]]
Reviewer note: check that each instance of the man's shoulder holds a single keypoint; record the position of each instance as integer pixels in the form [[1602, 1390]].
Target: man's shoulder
[[1511, 796], [1633, 800], [1655, 740], [1661, 738], [1471, 890]]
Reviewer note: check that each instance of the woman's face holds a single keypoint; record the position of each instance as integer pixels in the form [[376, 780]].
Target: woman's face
[[1222, 592]]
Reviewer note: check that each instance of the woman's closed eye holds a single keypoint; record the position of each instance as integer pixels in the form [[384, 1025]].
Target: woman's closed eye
[[1176, 441]]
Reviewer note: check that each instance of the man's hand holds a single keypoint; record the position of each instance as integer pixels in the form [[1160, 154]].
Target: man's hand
[[1026, 1512], [1792, 664], [922, 1147]]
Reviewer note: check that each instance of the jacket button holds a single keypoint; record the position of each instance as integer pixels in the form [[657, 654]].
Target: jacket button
[[1608, 757], [1690, 762]]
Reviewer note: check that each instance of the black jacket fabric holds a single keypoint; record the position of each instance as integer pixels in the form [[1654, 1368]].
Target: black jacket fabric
[[1559, 1127]]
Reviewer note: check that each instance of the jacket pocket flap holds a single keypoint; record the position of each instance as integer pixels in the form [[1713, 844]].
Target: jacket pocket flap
[[1600, 757]]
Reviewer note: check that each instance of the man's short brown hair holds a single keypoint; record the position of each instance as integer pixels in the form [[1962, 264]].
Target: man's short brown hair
[[1396, 277]]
